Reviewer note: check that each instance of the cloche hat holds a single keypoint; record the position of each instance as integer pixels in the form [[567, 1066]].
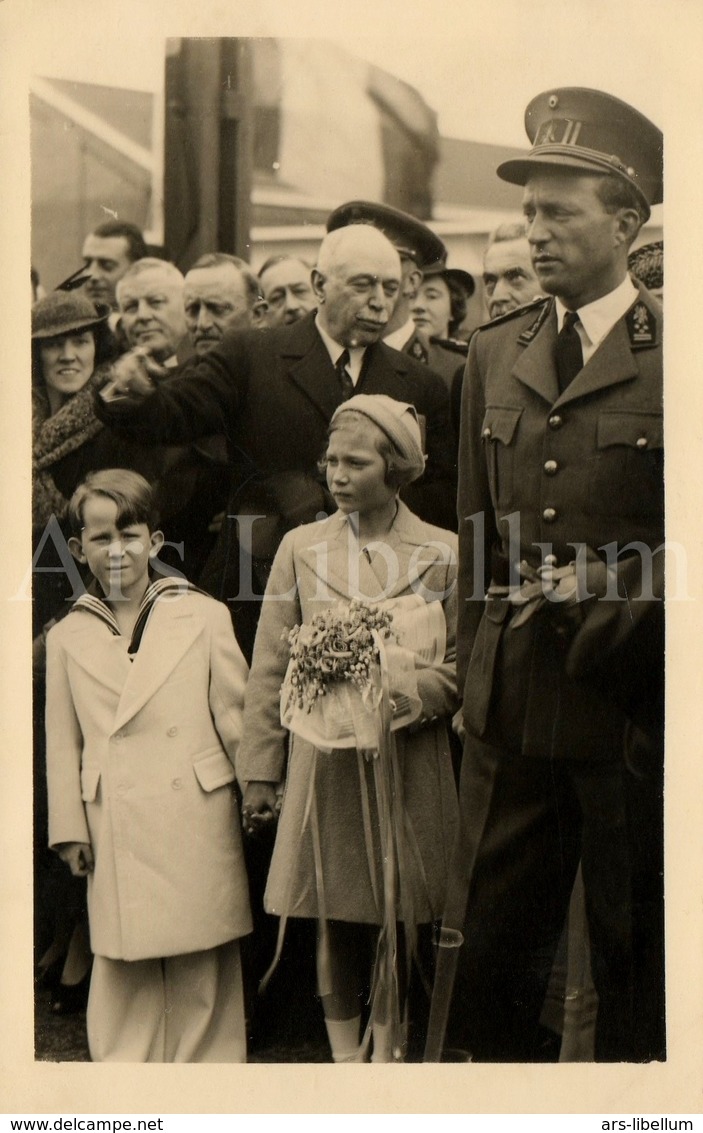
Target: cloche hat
[[62, 312]]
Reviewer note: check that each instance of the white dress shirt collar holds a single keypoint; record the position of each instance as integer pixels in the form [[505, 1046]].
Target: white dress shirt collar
[[402, 335], [335, 349], [598, 318]]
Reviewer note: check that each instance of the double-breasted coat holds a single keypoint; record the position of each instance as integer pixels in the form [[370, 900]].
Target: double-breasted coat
[[312, 572], [140, 758]]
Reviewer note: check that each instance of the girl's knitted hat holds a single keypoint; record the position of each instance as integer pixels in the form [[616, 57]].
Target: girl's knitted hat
[[397, 419]]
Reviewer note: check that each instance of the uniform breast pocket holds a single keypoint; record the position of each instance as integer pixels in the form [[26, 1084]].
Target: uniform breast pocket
[[499, 434], [628, 471]]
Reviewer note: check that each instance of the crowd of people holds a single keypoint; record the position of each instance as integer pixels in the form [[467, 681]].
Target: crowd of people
[[345, 624]]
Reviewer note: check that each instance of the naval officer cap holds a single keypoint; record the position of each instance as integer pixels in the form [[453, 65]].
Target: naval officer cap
[[588, 130], [409, 236]]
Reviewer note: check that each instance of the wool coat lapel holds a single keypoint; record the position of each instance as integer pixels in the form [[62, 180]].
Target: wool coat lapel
[[611, 363], [165, 641], [334, 557], [536, 366], [95, 648], [310, 367], [384, 371]]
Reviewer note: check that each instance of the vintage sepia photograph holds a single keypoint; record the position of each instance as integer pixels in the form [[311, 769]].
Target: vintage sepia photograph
[[346, 723]]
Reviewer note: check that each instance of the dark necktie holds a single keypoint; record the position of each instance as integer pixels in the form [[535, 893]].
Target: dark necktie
[[569, 355], [345, 378]]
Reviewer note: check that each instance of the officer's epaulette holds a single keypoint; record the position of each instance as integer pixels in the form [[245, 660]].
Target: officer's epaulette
[[455, 344], [541, 304], [641, 326]]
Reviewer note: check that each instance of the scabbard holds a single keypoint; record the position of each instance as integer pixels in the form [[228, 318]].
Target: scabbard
[[478, 776], [448, 946]]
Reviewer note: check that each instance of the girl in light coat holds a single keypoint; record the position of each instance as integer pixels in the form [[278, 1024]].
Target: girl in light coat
[[327, 860]]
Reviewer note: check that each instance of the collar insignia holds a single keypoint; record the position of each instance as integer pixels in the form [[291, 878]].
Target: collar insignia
[[529, 333], [641, 326], [418, 351]]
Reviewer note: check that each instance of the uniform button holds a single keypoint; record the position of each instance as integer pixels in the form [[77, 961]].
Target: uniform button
[[549, 515], [642, 442], [551, 467], [486, 432], [555, 421], [172, 731], [176, 784], [550, 560]]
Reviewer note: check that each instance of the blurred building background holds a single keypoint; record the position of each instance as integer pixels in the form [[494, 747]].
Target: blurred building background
[[246, 146]]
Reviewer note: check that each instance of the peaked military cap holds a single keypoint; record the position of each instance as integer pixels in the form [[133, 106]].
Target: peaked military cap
[[579, 128], [409, 236]]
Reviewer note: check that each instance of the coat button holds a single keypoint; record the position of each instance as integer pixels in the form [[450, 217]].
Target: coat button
[[176, 784], [555, 421], [551, 467], [641, 442], [549, 515], [172, 731], [486, 432]]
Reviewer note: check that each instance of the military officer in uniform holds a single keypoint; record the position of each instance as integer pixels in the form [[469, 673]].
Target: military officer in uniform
[[421, 252], [560, 642]]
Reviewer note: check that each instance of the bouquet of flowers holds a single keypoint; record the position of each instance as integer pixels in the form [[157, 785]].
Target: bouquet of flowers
[[338, 645], [351, 682], [334, 682]]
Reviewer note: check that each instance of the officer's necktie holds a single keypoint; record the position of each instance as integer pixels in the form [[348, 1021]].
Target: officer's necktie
[[345, 378], [569, 355]]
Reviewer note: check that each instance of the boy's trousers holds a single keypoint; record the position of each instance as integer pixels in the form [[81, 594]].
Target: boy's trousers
[[187, 1008]]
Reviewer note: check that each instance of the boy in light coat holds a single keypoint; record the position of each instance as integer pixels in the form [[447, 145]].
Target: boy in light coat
[[145, 687]]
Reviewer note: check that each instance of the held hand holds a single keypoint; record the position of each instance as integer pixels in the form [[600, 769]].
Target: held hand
[[78, 857], [260, 807]]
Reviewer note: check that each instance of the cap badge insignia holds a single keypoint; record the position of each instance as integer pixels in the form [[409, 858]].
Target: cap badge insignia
[[558, 131]]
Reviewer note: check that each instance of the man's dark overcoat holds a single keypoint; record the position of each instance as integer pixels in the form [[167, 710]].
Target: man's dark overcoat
[[272, 393]]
